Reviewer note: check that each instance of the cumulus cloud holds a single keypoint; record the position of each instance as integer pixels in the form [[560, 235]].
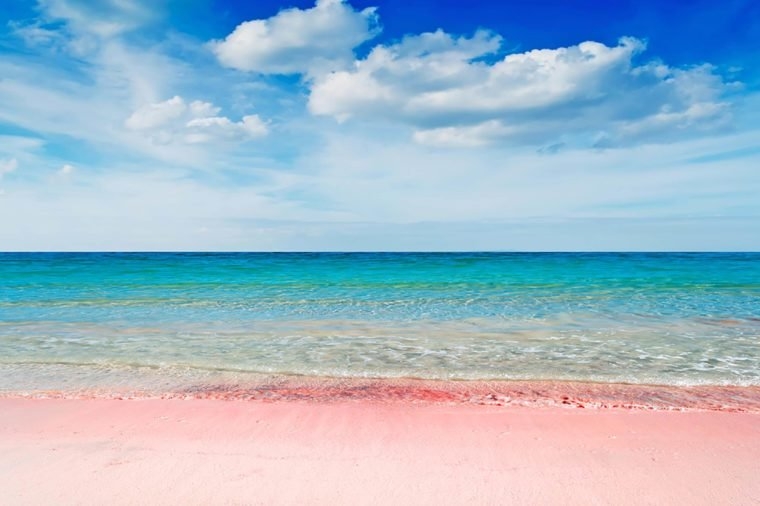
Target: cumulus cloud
[[452, 92], [174, 120], [152, 116], [66, 170], [297, 41]]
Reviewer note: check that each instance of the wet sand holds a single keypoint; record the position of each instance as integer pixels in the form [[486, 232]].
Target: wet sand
[[359, 450]]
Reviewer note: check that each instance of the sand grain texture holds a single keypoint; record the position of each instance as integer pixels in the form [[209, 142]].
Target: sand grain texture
[[95, 451]]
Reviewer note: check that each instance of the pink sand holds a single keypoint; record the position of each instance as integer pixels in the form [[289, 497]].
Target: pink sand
[[96, 451]]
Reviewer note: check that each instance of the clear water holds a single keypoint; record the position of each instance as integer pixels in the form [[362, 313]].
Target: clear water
[[84, 320]]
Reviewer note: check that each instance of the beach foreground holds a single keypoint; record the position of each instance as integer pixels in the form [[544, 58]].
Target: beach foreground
[[206, 451]]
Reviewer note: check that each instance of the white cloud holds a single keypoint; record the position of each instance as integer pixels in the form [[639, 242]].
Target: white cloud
[[364, 191], [445, 89], [8, 166], [64, 175], [149, 173], [91, 83], [199, 109], [298, 41], [472, 136], [174, 120], [35, 34], [13, 144], [391, 181], [104, 18], [254, 126], [220, 127], [156, 115]]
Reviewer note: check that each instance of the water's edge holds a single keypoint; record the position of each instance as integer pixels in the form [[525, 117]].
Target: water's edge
[[551, 393]]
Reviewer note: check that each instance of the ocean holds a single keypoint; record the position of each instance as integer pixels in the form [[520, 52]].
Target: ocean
[[158, 322]]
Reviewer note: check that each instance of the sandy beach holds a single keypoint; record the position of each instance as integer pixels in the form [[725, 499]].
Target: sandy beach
[[206, 451]]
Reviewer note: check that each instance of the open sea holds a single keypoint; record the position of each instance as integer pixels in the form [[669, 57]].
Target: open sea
[[164, 321]]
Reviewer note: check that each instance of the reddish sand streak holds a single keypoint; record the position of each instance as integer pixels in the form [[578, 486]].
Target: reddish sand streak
[[500, 393]]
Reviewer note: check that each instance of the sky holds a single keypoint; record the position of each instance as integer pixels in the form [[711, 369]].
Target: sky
[[546, 125]]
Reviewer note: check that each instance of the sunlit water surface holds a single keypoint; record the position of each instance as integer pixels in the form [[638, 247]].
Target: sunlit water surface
[[72, 321]]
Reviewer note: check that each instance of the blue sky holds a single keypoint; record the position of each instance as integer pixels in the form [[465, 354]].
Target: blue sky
[[379, 125]]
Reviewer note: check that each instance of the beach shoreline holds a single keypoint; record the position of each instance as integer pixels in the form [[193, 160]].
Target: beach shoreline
[[519, 393], [210, 451]]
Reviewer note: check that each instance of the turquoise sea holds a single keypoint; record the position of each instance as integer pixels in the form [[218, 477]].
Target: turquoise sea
[[163, 320]]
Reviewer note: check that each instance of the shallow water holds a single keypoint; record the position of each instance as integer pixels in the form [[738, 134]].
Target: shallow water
[[70, 321]]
